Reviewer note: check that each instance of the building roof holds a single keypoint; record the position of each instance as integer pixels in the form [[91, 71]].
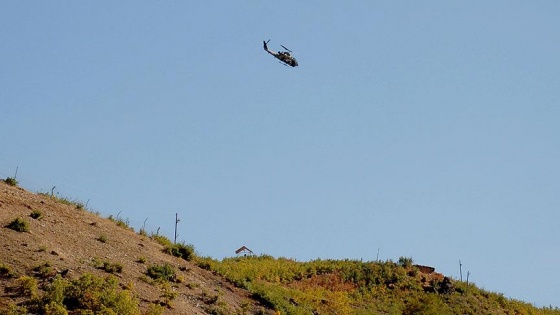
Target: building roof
[[243, 249]]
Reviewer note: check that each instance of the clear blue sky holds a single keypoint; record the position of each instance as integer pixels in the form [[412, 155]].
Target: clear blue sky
[[429, 130]]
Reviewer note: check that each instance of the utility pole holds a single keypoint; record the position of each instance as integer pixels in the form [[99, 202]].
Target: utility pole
[[176, 222], [461, 271], [468, 274]]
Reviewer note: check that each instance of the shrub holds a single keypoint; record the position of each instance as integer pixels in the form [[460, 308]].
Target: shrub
[[120, 222], [6, 271], [28, 286], [192, 286], [86, 295], [100, 296], [11, 181], [55, 292], [425, 305], [181, 250], [45, 270], [168, 294], [155, 309], [405, 261], [54, 308], [13, 309], [102, 238], [67, 201], [19, 225], [111, 267], [36, 214], [163, 272], [162, 240]]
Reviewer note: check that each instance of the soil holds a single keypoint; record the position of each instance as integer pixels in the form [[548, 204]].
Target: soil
[[68, 239]]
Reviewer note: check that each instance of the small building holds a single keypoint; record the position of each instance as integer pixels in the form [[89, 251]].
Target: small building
[[244, 251]]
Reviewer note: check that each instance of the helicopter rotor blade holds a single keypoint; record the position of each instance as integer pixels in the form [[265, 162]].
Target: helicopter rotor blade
[[285, 48]]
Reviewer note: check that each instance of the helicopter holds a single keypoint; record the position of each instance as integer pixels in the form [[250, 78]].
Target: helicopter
[[283, 56]]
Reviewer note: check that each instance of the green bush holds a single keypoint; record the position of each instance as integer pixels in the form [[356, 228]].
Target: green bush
[[405, 261], [181, 250], [91, 295], [162, 272], [19, 225], [162, 240], [54, 308], [11, 181], [55, 291], [36, 214], [67, 201], [155, 309], [111, 267], [6, 271], [44, 270], [168, 294], [426, 305], [13, 309], [120, 222], [28, 286]]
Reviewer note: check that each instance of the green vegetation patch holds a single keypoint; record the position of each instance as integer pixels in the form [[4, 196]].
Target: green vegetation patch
[[79, 205], [86, 295], [36, 214], [6, 271], [19, 225], [356, 287], [162, 240], [28, 286], [111, 267], [124, 223], [181, 250], [11, 181], [44, 270], [161, 272], [102, 238]]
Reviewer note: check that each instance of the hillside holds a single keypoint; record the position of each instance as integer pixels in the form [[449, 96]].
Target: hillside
[[357, 287], [73, 242], [66, 260]]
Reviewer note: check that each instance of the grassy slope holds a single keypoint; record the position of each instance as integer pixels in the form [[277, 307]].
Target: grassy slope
[[355, 287]]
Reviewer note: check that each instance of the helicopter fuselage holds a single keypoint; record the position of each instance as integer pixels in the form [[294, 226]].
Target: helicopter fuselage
[[283, 56]]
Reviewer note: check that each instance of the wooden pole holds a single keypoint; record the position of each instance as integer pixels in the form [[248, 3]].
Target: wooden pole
[[468, 274], [176, 222]]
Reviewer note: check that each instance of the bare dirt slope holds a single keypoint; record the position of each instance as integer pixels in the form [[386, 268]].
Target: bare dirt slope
[[69, 240]]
